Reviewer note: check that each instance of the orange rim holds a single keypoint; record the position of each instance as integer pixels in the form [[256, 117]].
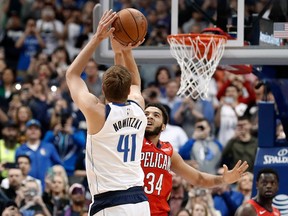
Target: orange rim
[[205, 38]]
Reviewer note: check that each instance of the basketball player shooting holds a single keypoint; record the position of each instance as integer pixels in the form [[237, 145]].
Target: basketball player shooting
[[115, 130]]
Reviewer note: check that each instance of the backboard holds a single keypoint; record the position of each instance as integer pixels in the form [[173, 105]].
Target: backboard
[[259, 28]]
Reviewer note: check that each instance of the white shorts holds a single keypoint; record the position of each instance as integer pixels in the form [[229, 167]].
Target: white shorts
[[139, 209], [130, 202]]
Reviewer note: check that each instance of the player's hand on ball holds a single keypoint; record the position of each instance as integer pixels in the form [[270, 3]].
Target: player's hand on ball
[[137, 44], [116, 46], [103, 29], [231, 176]]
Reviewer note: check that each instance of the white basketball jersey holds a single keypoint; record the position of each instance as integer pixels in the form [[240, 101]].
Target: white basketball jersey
[[113, 155]]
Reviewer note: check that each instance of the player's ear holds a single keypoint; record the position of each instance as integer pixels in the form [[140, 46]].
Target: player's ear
[[163, 127]]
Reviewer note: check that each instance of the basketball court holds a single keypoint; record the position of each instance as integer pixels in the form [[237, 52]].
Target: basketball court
[[256, 38]]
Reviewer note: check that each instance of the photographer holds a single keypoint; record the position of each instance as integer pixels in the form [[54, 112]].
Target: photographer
[[202, 148], [68, 140], [30, 201]]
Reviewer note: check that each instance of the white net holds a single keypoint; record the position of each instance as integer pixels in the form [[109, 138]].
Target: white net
[[198, 59]]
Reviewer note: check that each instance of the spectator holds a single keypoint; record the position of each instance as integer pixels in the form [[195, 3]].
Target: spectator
[[54, 113], [35, 62], [162, 78], [203, 197], [56, 170], [57, 199], [15, 178], [242, 147], [244, 185], [199, 209], [23, 115], [25, 93], [179, 195], [77, 26], [43, 155], [7, 88], [59, 62], [80, 170], [44, 75], [77, 196], [151, 94], [29, 44], [68, 140], [11, 34], [174, 134], [183, 212], [50, 28], [24, 164], [226, 200], [93, 79], [39, 103], [11, 208], [29, 199], [172, 100], [14, 104], [8, 146], [202, 148], [246, 92], [227, 113], [190, 110], [163, 14]]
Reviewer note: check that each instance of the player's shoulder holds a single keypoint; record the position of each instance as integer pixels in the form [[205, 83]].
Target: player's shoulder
[[166, 147], [246, 209]]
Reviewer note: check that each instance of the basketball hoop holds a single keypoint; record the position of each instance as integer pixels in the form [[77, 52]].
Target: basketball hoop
[[198, 56]]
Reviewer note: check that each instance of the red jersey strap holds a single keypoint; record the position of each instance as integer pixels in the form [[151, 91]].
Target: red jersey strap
[[262, 211], [165, 147]]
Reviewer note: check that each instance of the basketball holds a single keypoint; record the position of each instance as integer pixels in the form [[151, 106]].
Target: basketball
[[130, 26]]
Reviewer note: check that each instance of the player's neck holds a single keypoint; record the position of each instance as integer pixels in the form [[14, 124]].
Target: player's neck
[[265, 203], [153, 139], [116, 102]]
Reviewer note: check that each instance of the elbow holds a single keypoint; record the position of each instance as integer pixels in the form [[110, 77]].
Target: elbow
[[68, 74]]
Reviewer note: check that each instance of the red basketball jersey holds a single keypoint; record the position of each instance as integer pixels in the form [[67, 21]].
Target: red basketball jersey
[[262, 211], [156, 162]]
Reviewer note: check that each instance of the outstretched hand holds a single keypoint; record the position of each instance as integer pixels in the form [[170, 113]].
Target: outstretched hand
[[231, 176], [118, 47], [103, 29]]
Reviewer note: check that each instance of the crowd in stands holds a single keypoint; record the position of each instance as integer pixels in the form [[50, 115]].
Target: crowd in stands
[[43, 134]]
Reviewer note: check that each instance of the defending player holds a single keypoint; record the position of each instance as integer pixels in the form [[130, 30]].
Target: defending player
[[267, 186], [115, 130], [158, 158]]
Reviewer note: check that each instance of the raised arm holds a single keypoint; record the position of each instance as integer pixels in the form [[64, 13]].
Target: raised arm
[[78, 89], [201, 179], [124, 57], [130, 64]]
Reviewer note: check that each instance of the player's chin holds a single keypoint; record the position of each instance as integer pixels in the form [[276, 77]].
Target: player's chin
[[149, 132], [149, 127], [269, 194]]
